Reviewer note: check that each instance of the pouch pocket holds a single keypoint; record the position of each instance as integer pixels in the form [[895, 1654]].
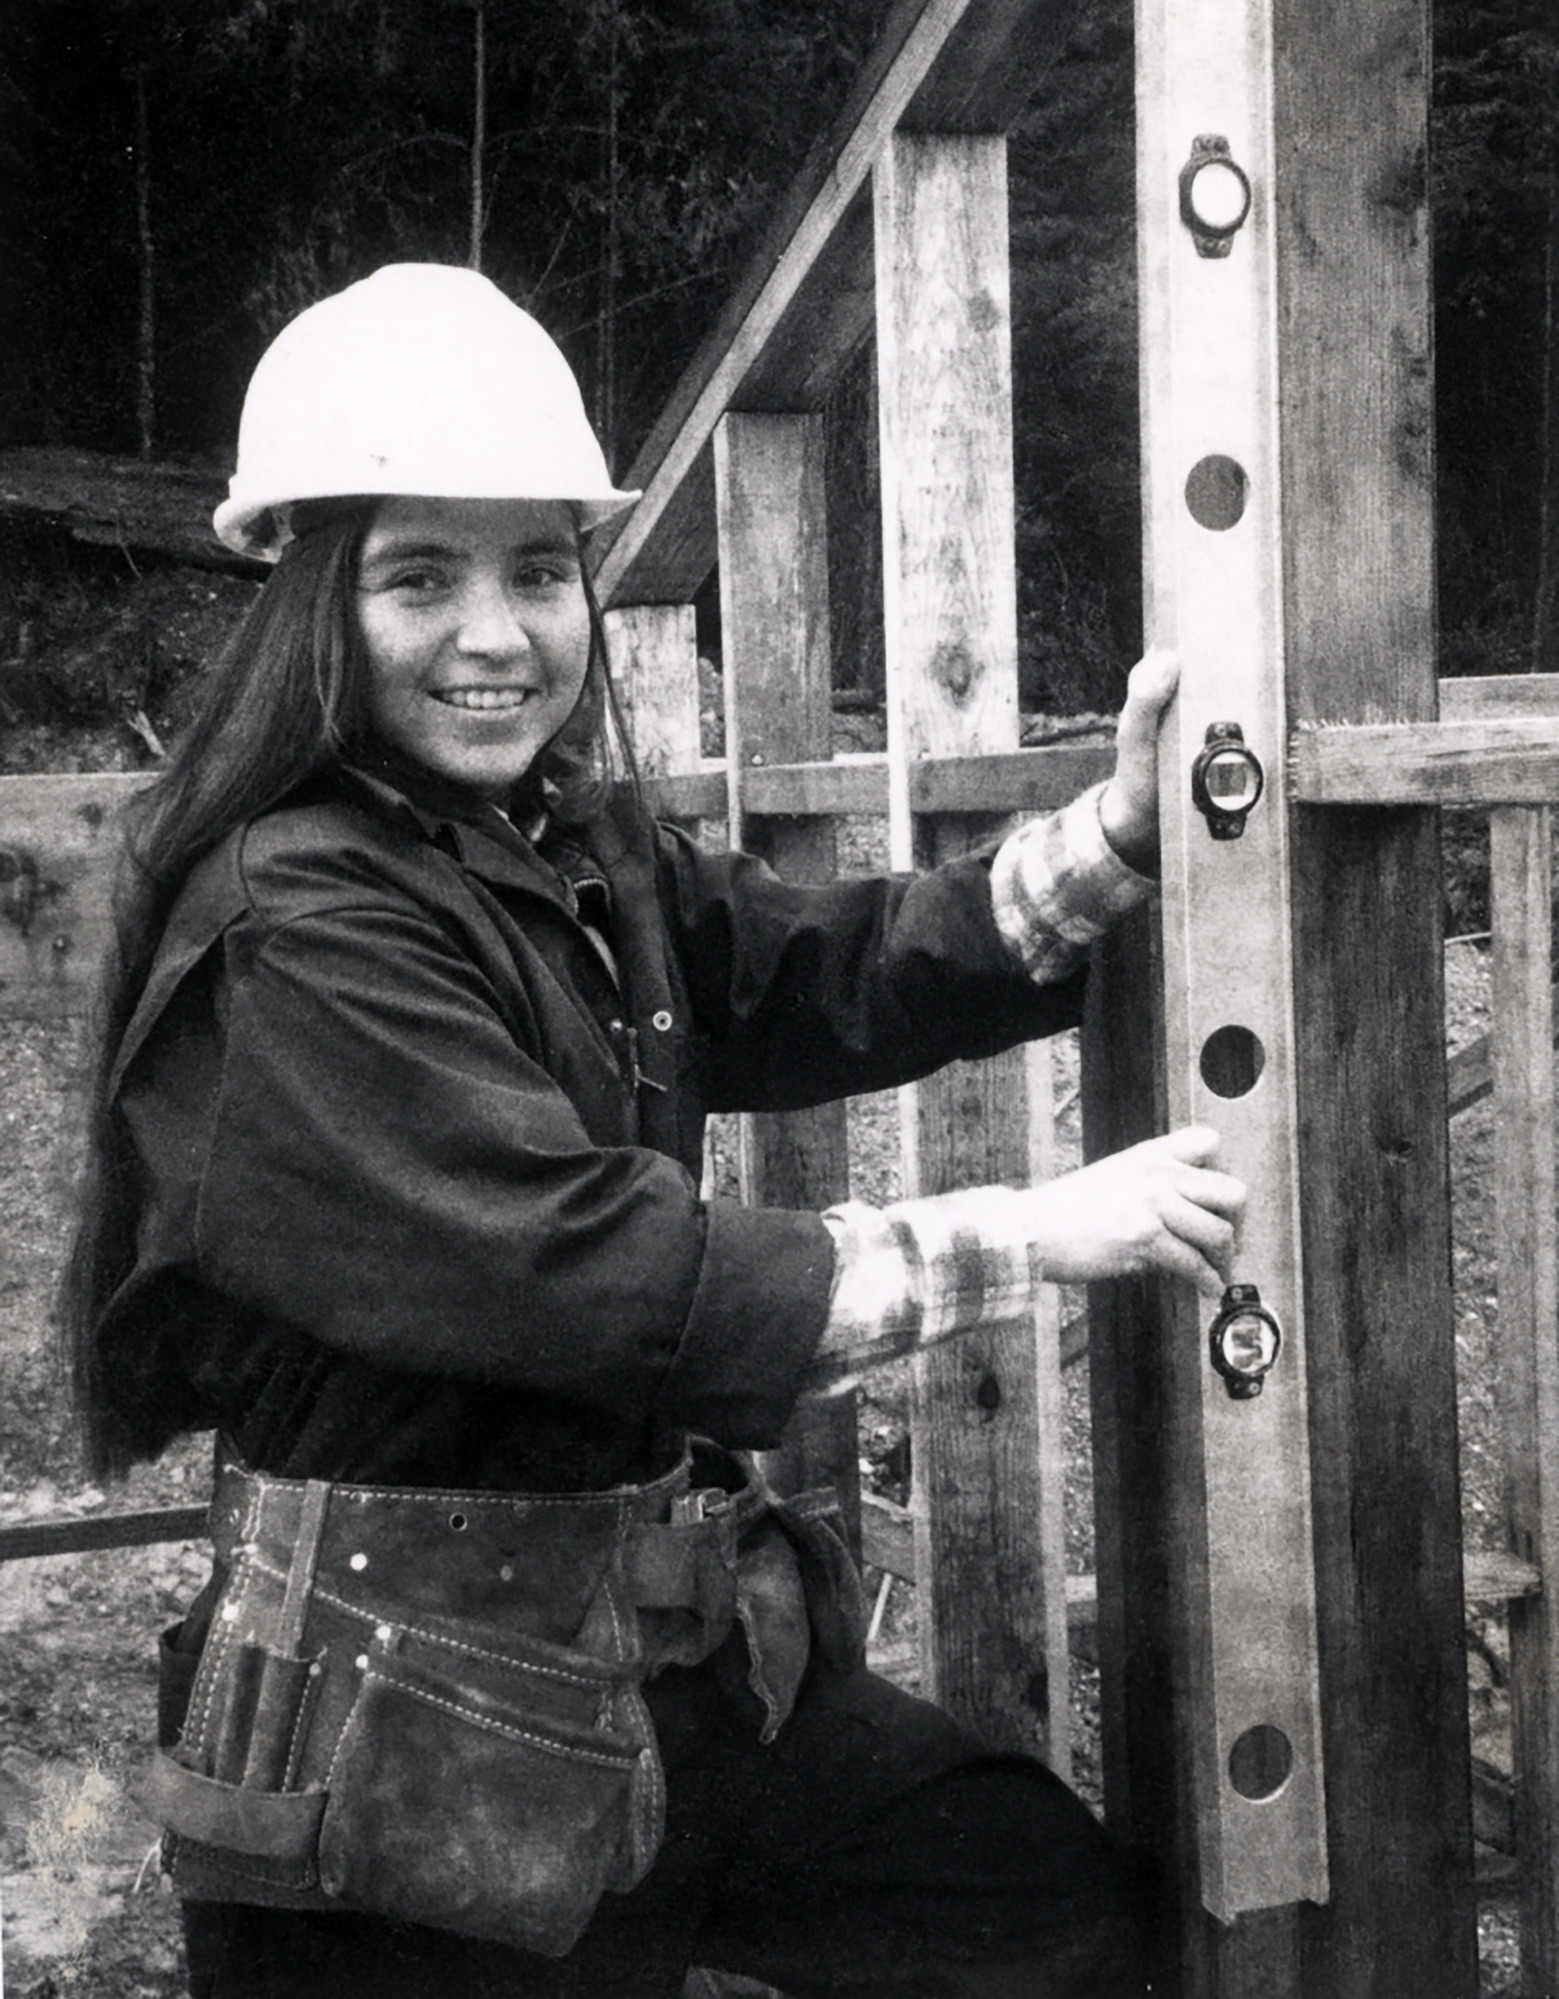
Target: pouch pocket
[[261, 1715], [470, 1807], [232, 1804]]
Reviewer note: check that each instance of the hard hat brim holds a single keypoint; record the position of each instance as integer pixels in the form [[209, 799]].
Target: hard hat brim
[[259, 525]]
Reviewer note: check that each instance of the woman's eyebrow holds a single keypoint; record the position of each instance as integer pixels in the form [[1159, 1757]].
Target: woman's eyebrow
[[401, 551], [412, 550]]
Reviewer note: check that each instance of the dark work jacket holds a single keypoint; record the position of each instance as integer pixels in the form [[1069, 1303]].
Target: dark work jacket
[[419, 1162]]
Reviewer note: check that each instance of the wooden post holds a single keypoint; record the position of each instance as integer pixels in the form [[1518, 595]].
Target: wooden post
[[1521, 889], [988, 1556], [655, 669], [1356, 379], [774, 623]]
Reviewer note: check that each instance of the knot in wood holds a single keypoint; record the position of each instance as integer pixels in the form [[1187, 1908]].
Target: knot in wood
[[952, 668], [984, 312], [21, 890]]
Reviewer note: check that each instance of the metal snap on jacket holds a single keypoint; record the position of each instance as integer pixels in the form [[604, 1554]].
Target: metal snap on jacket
[[661, 1021]]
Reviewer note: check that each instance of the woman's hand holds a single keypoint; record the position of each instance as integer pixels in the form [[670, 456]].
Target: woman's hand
[[1128, 808], [1161, 1206]]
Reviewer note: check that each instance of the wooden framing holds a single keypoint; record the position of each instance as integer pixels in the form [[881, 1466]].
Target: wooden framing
[[806, 304], [1355, 385], [1496, 760]]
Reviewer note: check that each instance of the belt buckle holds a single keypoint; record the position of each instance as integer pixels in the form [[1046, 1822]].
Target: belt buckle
[[689, 1508]]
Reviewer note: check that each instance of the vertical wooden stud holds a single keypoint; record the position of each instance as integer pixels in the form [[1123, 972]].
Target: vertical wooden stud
[[770, 505], [988, 1556], [1351, 108], [655, 668], [1527, 1257]]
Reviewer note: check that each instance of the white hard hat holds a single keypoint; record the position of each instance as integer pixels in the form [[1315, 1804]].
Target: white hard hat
[[422, 379]]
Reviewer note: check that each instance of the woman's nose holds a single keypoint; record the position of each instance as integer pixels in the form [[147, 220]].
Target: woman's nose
[[489, 621]]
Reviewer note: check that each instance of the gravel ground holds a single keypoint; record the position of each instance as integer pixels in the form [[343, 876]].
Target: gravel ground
[[82, 1910]]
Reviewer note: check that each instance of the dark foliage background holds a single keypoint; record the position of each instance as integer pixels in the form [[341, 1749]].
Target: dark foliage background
[[183, 175]]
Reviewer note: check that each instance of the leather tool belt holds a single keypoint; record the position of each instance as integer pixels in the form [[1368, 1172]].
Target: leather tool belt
[[427, 1704]]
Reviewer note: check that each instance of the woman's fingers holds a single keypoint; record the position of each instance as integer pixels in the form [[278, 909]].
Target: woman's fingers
[[1176, 1257], [1201, 1215], [1219, 1191], [1159, 1206], [1207, 1237]]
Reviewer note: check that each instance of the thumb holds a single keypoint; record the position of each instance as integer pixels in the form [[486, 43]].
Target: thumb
[[1150, 687]]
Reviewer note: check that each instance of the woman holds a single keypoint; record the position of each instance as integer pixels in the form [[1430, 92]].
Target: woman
[[510, 1677]]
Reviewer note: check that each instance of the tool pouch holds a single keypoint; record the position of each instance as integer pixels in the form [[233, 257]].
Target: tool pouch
[[437, 1752]]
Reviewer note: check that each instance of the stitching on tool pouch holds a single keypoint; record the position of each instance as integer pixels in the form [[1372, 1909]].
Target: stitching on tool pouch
[[226, 1631], [363, 1616], [346, 1729], [648, 1760], [617, 1630], [295, 1742], [509, 1501], [608, 1759]]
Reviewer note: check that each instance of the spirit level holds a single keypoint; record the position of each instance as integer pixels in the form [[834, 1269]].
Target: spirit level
[[1246, 1574]]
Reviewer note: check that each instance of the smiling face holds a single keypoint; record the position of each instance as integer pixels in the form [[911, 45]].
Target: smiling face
[[477, 628]]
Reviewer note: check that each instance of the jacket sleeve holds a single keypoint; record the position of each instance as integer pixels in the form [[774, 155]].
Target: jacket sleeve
[[805, 994], [385, 1165]]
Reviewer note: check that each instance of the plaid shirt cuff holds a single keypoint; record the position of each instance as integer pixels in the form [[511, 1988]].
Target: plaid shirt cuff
[[911, 1275], [1057, 884]]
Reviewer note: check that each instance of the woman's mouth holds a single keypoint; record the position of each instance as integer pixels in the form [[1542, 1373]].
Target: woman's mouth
[[484, 698]]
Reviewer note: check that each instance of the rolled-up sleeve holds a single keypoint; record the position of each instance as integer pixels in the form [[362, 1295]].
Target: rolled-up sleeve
[[1057, 885]]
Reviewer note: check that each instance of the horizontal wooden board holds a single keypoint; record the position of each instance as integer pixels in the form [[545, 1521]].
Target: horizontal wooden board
[[1035, 780], [1477, 761], [57, 852], [88, 1531], [1488, 695]]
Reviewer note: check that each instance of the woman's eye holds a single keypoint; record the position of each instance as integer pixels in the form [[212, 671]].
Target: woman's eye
[[538, 576]]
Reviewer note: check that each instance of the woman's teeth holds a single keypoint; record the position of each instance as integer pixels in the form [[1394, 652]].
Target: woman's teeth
[[483, 697]]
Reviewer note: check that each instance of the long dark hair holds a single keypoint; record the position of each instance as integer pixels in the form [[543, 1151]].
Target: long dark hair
[[285, 700]]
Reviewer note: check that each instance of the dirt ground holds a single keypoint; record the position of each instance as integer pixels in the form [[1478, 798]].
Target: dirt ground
[[83, 1910]]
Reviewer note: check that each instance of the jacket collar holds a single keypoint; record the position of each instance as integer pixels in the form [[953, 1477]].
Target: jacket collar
[[532, 854]]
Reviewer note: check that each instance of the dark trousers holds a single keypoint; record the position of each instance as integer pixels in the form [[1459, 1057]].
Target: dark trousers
[[874, 1850]]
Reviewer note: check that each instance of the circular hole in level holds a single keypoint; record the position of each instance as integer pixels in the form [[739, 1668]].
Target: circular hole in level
[[1232, 1061], [1260, 1761], [1215, 492]]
